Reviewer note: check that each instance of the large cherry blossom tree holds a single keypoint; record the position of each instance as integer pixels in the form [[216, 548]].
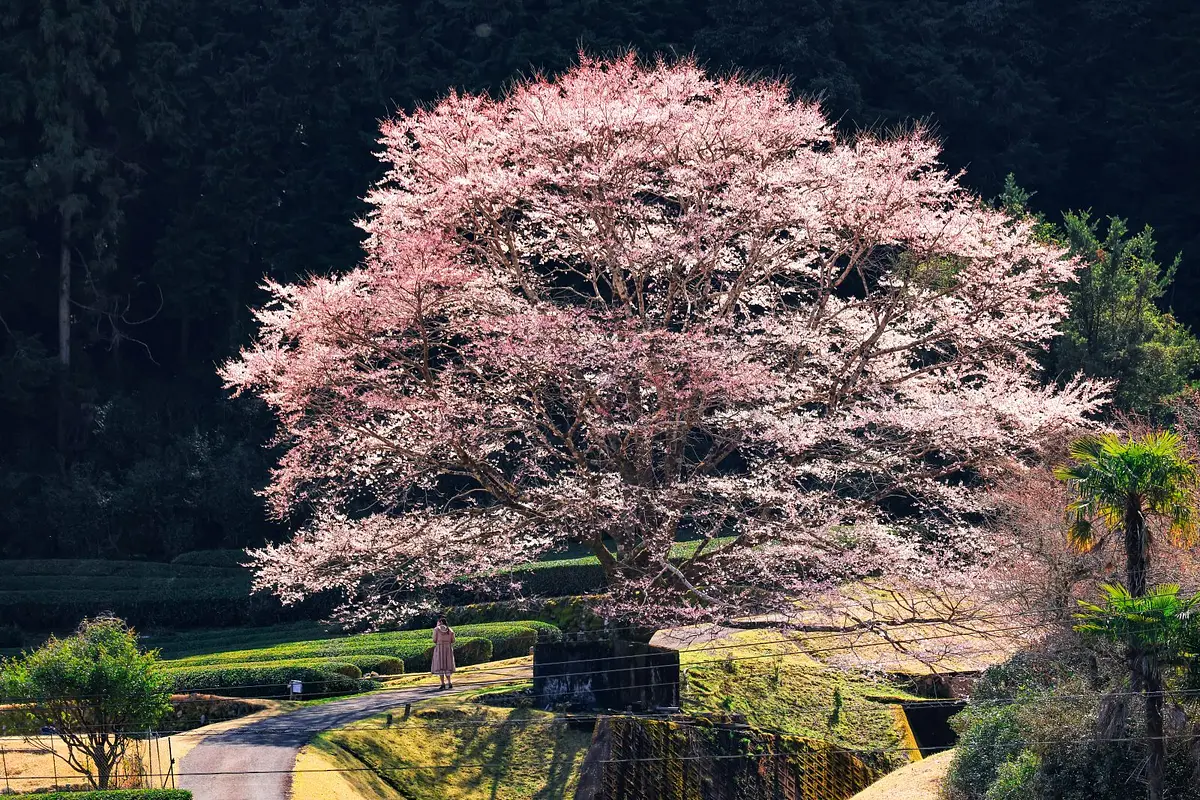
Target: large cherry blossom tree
[[637, 304]]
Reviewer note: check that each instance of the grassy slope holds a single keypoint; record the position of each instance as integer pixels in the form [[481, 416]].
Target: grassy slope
[[529, 754], [920, 781], [777, 686]]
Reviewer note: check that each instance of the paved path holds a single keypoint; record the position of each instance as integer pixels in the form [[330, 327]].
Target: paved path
[[254, 761]]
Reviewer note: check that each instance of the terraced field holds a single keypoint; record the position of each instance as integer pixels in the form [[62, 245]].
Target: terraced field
[[333, 666]]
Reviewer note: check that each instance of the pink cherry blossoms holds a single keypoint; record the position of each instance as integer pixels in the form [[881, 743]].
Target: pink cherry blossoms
[[636, 304]]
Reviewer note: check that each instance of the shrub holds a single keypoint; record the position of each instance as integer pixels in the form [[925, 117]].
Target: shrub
[[508, 641], [1040, 727], [194, 710], [1016, 779], [343, 668], [466, 651], [261, 680], [403, 649], [558, 578], [990, 736], [379, 664]]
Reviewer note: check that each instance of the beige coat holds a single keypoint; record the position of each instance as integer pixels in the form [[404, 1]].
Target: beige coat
[[443, 651]]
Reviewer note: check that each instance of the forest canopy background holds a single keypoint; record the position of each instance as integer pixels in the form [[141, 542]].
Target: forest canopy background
[[197, 148]]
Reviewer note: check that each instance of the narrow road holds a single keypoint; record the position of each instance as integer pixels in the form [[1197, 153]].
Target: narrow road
[[255, 761]]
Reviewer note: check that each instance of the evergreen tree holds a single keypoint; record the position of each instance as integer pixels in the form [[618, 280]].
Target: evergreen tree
[[1117, 329]]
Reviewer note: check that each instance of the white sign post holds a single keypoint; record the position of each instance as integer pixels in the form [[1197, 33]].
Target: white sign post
[[295, 688]]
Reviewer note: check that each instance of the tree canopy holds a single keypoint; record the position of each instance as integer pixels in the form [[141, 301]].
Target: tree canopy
[[95, 689], [634, 304]]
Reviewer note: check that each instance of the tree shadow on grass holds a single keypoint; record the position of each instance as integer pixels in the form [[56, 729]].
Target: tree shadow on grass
[[515, 748]]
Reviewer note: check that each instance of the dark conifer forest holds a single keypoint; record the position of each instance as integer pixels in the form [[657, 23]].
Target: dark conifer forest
[[160, 160]]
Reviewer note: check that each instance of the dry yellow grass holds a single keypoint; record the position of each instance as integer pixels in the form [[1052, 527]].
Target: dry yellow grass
[[512, 670], [321, 774], [24, 768], [921, 780]]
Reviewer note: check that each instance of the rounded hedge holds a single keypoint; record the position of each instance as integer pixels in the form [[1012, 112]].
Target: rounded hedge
[[466, 651], [265, 680], [379, 664], [508, 640]]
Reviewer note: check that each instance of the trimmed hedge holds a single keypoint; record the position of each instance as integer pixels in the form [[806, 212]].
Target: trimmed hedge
[[507, 640], [572, 613], [229, 559], [114, 794], [562, 577], [261, 680], [466, 651], [92, 567], [379, 664], [414, 653], [512, 640]]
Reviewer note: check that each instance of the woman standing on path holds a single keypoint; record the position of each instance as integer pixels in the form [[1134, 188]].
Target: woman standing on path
[[443, 653]]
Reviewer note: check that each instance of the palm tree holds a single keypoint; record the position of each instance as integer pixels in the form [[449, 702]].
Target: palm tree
[[1121, 485]]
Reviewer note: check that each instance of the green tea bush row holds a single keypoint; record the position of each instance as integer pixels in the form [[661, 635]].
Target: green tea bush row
[[262, 680], [560, 578], [507, 640], [172, 604], [85, 567], [415, 653], [466, 651], [572, 613], [379, 664]]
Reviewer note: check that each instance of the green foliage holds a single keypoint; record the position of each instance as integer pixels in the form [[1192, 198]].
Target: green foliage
[[1116, 329], [93, 688], [1016, 779], [1054, 724], [380, 665], [466, 651], [267, 679], [568, 613], [795, 696], [182, 644], [527, 753], [114, 794], [1110, 478], [1160, 623], [229, 559], [560, 577], [573, 576], [475, 644], [989, 736]]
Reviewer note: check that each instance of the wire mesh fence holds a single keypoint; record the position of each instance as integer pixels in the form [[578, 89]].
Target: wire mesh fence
[[699, 759]]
